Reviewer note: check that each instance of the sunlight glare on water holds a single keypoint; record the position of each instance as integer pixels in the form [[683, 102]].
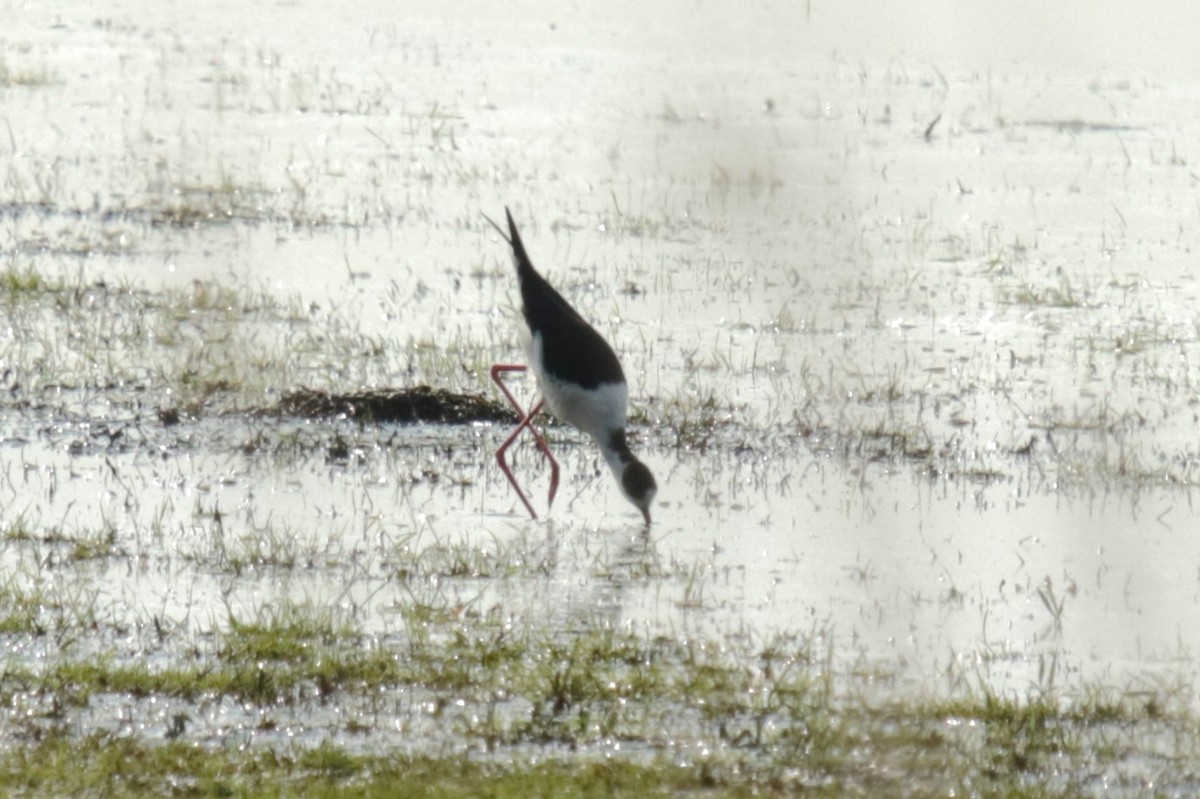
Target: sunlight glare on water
[[905, 296]]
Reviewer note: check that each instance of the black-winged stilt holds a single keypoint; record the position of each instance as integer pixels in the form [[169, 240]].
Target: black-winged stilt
[[580, 379]]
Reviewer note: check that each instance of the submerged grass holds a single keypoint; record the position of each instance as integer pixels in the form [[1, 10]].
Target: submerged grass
[[60, 765], [464, 697], [608, 716], [187, 353], [205, 348]]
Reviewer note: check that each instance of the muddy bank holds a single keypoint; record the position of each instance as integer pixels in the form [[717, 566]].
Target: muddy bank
[[403, 405]]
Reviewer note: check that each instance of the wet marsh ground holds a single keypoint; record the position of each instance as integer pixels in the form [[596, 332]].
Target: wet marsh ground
[[911, 344]]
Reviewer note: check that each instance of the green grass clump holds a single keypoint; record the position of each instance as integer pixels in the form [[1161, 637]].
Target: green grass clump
[[112, 766], [16, 280], [985, 746]]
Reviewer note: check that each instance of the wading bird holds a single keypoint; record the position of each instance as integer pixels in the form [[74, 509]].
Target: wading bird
[[580, 380]]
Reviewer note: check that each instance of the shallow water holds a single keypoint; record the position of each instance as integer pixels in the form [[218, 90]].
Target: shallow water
[[910, 334]]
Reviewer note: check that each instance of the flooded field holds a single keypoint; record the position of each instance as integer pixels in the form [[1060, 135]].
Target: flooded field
[[912, 346]]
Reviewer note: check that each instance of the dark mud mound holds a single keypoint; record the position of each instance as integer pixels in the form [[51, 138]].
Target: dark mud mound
[[405, 405]]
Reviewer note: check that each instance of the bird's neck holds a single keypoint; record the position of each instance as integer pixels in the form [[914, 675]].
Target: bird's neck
[[616, 451]]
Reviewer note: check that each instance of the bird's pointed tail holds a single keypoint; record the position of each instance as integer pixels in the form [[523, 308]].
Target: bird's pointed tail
[[520, 257]]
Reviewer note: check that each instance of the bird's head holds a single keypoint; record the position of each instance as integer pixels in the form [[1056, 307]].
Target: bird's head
[[638, 486]]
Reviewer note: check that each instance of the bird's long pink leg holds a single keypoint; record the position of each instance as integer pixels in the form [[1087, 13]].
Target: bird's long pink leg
[[526, 422]]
